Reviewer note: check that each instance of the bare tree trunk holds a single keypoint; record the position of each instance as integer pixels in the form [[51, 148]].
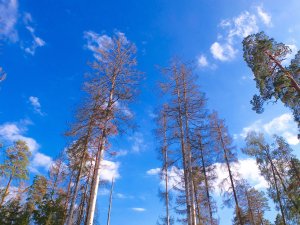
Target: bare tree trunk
[[95, 183], [166, 166], [100, 152], [67, 197], [278, 195], [250, 207], [5, 191], [83, 157], [188, 148], [231, 178], [206, 183], [183, 150], [110, 202]]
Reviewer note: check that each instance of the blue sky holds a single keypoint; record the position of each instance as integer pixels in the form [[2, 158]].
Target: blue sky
[[45, 53]]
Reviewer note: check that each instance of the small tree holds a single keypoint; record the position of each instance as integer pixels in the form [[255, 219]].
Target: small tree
[[15, 165]]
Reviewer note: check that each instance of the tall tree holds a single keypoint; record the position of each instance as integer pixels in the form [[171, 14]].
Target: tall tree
[[186, 106], [227, 155], [274, 162], [15, 165], [204, 158], [253, 204], [114, 81], [265, 57], [164, 151]]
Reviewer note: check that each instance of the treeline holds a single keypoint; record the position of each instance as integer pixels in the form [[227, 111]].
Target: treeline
[[193, 141]]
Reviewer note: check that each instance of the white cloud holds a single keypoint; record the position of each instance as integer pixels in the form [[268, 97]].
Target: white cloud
[[138, 143], [139, 209], [174, 177], [11, 132], [34, 101], [153, 171], [8, 19], [41, 160], [246, 168], [36, 41], [223, 52], [282, 125], [235, 29], [242, 26], [96, 42], [264, 16], [202, 61], [109, 170]]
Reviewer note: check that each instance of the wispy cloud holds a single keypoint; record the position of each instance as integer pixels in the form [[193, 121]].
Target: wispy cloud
[[282, 125], [138, 209], [36, 41], [138, 142], [264, 16], [234, 29], [8, 20], [35, 103]]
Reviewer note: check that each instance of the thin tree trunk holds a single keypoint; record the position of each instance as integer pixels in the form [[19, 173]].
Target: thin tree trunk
[[250, 207], [166, 166], [83, 157], [5, 191], [110, 202], [100, 152], [83, 199], [67, 197], [278, 195], [198, 214], [188, 145], [282, 182], [95, 183], [206, 183], [183, 150], [231, 178]]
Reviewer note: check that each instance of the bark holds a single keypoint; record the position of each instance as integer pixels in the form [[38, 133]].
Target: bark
[[5, 191], [166, 166], [110, 202], [100, 152], [278, 195], [206, 182], [250, 207], [188, 145], [230, 177], [183, 150], [294, 83], [79, 174]]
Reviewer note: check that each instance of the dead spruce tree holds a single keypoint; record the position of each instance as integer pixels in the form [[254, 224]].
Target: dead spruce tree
[[184, 113], [204, 159], [109, 88], [227, 155], [164, 156]]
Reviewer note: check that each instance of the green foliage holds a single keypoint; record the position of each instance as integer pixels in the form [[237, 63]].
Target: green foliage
[[49, 211], [274, 80], [13, 213], [280, 169], [17, 161]]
